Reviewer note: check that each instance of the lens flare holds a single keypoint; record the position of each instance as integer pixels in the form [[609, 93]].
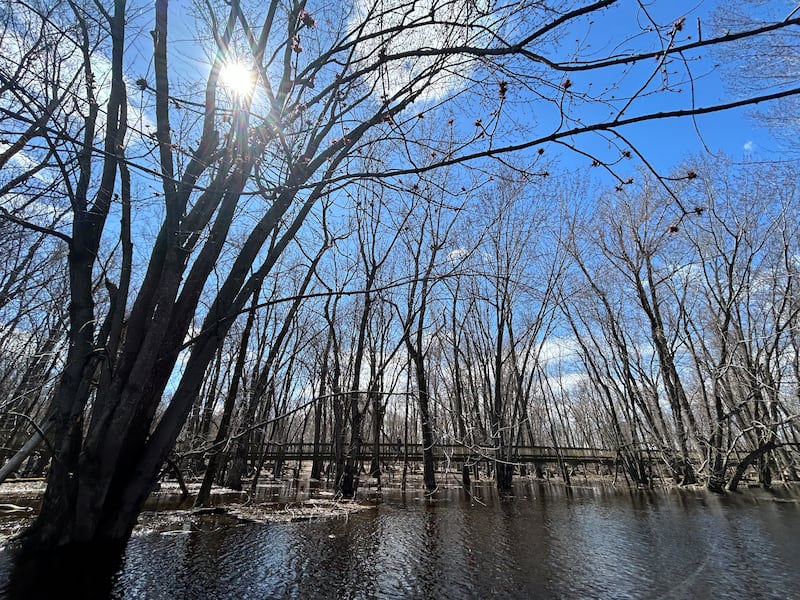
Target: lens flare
[[238, 78]]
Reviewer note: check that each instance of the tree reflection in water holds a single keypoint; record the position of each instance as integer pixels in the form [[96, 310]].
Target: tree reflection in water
[[544, 541]]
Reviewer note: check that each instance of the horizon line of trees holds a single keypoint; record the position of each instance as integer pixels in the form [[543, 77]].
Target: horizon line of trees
[[492, 321]]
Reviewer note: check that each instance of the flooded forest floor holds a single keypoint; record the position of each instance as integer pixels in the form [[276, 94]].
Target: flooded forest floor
[[169, 510]]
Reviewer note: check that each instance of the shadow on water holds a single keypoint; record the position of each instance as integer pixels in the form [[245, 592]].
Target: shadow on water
[[545, 541], [78, 572]]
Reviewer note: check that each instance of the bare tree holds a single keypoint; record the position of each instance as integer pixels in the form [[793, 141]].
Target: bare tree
[[248, 163], [770, 61]]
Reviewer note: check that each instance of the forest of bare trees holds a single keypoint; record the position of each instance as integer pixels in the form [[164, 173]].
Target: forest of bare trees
[[372, 238]]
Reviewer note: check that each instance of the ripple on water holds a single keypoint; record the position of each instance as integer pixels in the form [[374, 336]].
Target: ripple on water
[[545, 542]]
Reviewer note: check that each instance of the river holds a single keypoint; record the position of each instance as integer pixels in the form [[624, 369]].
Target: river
[[544, 542]]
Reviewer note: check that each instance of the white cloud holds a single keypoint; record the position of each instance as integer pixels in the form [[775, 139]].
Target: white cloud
[[393, 27], [39, 212], [36, 64], [457, 254], [749, 146], [559, 351]]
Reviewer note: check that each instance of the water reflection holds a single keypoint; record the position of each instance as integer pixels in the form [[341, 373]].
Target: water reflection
[[544, 542]]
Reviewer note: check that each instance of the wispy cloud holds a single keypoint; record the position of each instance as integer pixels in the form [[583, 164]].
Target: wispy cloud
[[396, 27]]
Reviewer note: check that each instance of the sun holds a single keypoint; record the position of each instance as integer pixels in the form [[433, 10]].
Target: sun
[[238, 78]]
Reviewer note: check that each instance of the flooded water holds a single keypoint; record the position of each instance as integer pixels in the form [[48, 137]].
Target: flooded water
[[545, 542]]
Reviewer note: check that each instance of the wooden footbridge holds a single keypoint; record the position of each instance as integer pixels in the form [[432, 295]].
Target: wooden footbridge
[[443, 453], [459, 453]]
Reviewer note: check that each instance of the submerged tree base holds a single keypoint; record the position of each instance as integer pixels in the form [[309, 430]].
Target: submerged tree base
[[73, 571]]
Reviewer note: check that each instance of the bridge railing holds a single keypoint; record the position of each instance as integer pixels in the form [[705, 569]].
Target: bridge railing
[[461, 453], [305, 451]]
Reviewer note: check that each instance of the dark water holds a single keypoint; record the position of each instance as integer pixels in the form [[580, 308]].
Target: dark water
[[546, 542]]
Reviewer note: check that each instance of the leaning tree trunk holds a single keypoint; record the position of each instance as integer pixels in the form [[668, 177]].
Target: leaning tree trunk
[[204, 495], [748, 460]]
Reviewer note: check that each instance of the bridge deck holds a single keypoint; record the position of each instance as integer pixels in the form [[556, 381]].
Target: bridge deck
[[461, 453], [453, 453]]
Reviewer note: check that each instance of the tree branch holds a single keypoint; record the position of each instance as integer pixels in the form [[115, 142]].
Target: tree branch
[[28, 225]]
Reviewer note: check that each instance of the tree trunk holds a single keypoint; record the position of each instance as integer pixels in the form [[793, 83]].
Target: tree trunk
[[746, 462], [204, 495], [428, 464]]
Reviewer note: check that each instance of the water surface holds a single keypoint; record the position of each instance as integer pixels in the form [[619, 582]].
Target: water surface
[[545, 542]]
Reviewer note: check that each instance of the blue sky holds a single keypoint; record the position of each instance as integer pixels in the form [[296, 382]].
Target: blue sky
[[667, 142], [664, 143]]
